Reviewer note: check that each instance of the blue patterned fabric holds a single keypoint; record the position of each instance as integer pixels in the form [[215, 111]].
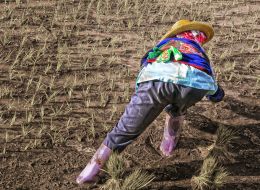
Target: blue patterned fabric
[[177, 73]]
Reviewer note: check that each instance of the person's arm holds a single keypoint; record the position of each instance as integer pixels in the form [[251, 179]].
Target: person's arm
[[218, 96]]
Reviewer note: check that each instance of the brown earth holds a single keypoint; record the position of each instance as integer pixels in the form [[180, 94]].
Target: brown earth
[[68, 69]]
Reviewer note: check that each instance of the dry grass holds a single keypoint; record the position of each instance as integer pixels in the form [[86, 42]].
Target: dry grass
[[137, 180], [118, 179], [219, 149], [211, 176]]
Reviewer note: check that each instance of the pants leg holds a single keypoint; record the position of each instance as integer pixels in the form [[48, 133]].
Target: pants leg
[[145, 105], [185, 98]]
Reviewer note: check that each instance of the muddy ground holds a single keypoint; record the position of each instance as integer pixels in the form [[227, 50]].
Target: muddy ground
[[68, 68]]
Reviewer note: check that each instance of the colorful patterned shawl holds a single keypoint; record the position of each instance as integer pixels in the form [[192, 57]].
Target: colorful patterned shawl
[[188, 44]]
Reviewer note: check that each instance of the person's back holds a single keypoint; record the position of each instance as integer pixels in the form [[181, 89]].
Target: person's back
[[175, 75]]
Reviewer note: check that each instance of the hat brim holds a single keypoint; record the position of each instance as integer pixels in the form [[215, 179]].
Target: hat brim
[[205, 28]]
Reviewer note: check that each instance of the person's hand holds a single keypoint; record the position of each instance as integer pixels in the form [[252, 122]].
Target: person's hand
[[218, 96]]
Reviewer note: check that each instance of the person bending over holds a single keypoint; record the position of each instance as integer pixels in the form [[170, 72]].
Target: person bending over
[[174, 75]]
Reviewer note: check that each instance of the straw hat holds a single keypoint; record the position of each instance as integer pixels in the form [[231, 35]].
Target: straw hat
[[185, 25]]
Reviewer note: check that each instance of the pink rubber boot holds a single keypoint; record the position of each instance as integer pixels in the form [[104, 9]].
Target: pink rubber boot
[[90, 172], [171, 134]]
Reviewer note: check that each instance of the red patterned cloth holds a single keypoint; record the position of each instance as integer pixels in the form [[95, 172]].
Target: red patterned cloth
[[194, 35]]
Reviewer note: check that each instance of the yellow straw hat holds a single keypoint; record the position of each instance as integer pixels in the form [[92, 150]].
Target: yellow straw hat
[[185, 25]]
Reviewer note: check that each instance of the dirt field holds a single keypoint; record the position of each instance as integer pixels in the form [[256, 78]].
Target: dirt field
[[68, 69]]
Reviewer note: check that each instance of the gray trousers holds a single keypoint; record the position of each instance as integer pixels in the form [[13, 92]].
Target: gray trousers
[[146, 104]]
